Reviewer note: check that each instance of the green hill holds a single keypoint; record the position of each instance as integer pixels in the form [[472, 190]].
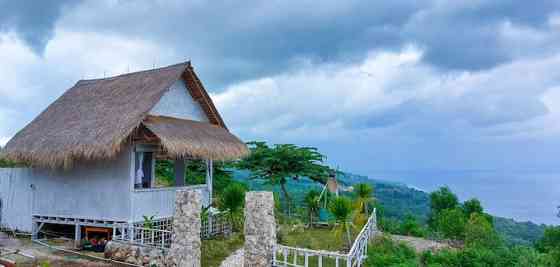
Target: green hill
[[398, 200]]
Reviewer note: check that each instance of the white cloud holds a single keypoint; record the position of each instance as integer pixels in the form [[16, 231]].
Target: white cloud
[[392, 89], [29, 83], [4, 140]]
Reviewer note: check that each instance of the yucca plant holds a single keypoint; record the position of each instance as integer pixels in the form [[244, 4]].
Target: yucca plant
[[312, 204], [364, 197], [232, 200], [341, 209]]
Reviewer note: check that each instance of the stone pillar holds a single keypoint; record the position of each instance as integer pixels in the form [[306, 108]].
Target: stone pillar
[[260, 229], [186, 244]]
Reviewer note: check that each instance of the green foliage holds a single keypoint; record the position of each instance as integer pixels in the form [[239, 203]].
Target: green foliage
[[440, 200], [278, 163], [472, 206], [479, 232], [364, 197], [148, 221], [518, 233], [341, 209], [384, 252], [214, 251], [232, 200], [312, 204], [411, 227], [5, 163], [480, 256], [451, 223], [550, 240]]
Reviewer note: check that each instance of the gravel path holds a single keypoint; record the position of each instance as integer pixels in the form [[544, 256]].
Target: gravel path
[[234, 260]]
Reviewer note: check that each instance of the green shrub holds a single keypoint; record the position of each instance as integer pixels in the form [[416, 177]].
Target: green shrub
[[479, 232], [411, 227], [232, 200], [550, 240], [451, 223], [383, 252]]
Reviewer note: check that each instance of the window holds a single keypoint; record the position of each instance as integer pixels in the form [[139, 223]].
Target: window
[[144, 169]]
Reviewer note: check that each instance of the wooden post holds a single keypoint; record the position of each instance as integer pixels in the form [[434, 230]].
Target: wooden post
[[77, 235]]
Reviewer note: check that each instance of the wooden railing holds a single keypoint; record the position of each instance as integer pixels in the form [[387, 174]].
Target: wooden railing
[[142, 236], [159, 233], [301, 257]]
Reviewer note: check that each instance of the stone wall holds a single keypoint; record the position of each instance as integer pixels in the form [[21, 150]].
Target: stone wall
[[186, 246], [260, 229], [137, 255]]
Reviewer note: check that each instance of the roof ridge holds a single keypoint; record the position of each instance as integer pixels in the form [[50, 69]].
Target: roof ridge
[[186, 63]]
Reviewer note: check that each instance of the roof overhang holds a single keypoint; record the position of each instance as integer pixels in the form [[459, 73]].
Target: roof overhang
[[193, 139]]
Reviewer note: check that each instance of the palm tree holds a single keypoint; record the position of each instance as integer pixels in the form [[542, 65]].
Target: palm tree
[[364, 197], [341, 209], [312, 204]]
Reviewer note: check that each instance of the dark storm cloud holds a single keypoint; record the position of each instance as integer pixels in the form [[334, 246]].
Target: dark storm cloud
[[239, 41], [466, 34], [32, 21]]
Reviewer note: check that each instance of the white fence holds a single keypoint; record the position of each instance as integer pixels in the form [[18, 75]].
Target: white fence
[[300, 257], [158, 233]]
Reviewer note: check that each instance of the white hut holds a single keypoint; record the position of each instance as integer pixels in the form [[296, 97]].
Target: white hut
[[92, 152]]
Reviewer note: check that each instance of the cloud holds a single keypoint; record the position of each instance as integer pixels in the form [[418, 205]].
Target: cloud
[[391, 91], [32, 21], [236, 42], [29, 83]]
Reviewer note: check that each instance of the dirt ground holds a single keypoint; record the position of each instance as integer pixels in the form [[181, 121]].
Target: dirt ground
[[420, 244], [45, 256]]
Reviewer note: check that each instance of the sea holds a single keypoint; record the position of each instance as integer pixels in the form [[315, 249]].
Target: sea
[[521, 195]]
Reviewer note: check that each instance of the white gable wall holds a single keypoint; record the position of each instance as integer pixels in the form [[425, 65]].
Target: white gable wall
[[178, 103]]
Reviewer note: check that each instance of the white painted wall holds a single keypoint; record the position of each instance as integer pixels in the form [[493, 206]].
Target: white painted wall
[[160, 202], [94, 190], [178, 103], [17, 198]]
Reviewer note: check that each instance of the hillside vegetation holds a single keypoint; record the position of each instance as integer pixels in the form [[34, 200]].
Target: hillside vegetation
[[398, 201]]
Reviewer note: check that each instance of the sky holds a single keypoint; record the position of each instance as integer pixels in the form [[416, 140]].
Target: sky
[[375, 85]]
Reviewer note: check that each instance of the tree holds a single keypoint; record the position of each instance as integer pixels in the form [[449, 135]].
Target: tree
[[363, 197], [341, 209], [472, 206], [550, 240], [312, 205], [451, 223], [479, 232], [278, 163], [440, 200], [411, 227], [232, 200]]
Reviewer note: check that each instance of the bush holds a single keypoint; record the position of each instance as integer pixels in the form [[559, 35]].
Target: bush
[[411, 227], [232, 200], [550, 240], [479, 232], [385, 252], [451, 223], [478, 256]]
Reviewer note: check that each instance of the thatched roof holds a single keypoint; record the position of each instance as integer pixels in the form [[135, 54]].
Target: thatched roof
[[186, 138], [94, 118]]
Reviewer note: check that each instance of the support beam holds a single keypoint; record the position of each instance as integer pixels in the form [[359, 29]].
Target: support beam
[[179, 170], [209, 179]]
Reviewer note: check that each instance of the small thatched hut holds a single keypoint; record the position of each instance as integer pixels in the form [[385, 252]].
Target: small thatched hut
[[93, 151]]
